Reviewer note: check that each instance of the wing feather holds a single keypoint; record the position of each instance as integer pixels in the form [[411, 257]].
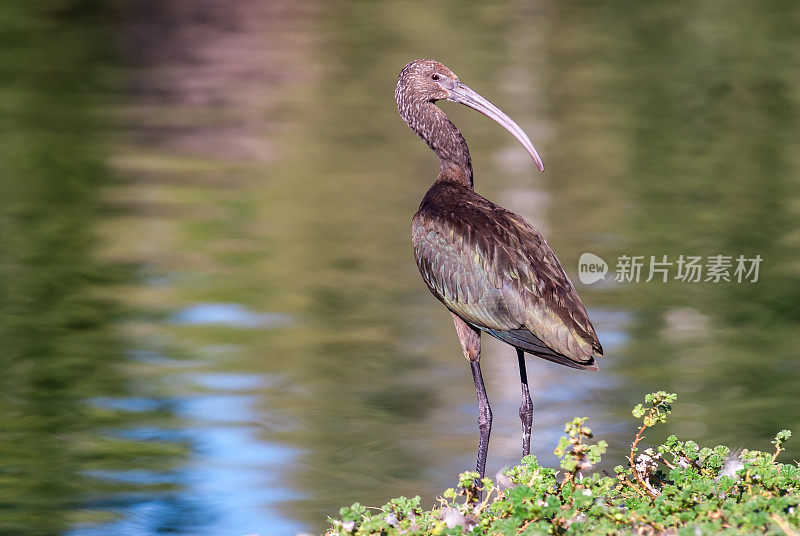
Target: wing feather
[[494, 270]]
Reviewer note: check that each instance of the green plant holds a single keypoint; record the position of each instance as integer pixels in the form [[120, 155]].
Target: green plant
[[672, 488]]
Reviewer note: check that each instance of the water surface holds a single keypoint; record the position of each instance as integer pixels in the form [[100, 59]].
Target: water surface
[[211, 316]]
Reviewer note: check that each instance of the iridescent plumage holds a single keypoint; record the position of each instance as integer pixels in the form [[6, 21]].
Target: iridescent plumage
[[496, 272]]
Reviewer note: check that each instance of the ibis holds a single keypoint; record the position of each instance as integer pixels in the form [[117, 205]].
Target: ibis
[[492, 269]]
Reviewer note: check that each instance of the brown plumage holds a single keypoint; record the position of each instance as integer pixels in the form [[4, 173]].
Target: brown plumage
[[497, 273], [487, 265]]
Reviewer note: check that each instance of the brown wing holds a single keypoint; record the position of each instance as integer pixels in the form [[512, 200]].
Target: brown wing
[[494, 270]]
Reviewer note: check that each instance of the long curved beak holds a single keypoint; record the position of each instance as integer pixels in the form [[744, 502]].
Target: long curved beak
[[462, 94]]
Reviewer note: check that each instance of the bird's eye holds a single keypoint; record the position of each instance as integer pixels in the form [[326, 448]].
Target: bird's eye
[[434, 76]]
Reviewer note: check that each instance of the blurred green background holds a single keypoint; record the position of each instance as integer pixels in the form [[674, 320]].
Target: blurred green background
[[210, 317]]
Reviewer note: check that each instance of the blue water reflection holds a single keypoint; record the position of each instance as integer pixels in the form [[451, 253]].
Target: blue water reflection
[[228, 314], [232, 482]]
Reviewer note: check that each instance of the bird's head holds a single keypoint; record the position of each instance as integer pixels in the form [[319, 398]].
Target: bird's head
[[428, 81]]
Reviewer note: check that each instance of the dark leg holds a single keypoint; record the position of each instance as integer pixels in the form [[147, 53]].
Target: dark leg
[[526, 408], [484, 416], [470, 339]]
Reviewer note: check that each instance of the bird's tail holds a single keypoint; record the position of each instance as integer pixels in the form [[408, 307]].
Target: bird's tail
[[530, 343]]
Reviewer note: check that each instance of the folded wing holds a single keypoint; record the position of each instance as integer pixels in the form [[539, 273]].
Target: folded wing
[[494, 270]]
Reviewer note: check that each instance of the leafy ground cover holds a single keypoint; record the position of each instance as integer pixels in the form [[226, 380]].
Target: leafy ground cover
[[674, 488]]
